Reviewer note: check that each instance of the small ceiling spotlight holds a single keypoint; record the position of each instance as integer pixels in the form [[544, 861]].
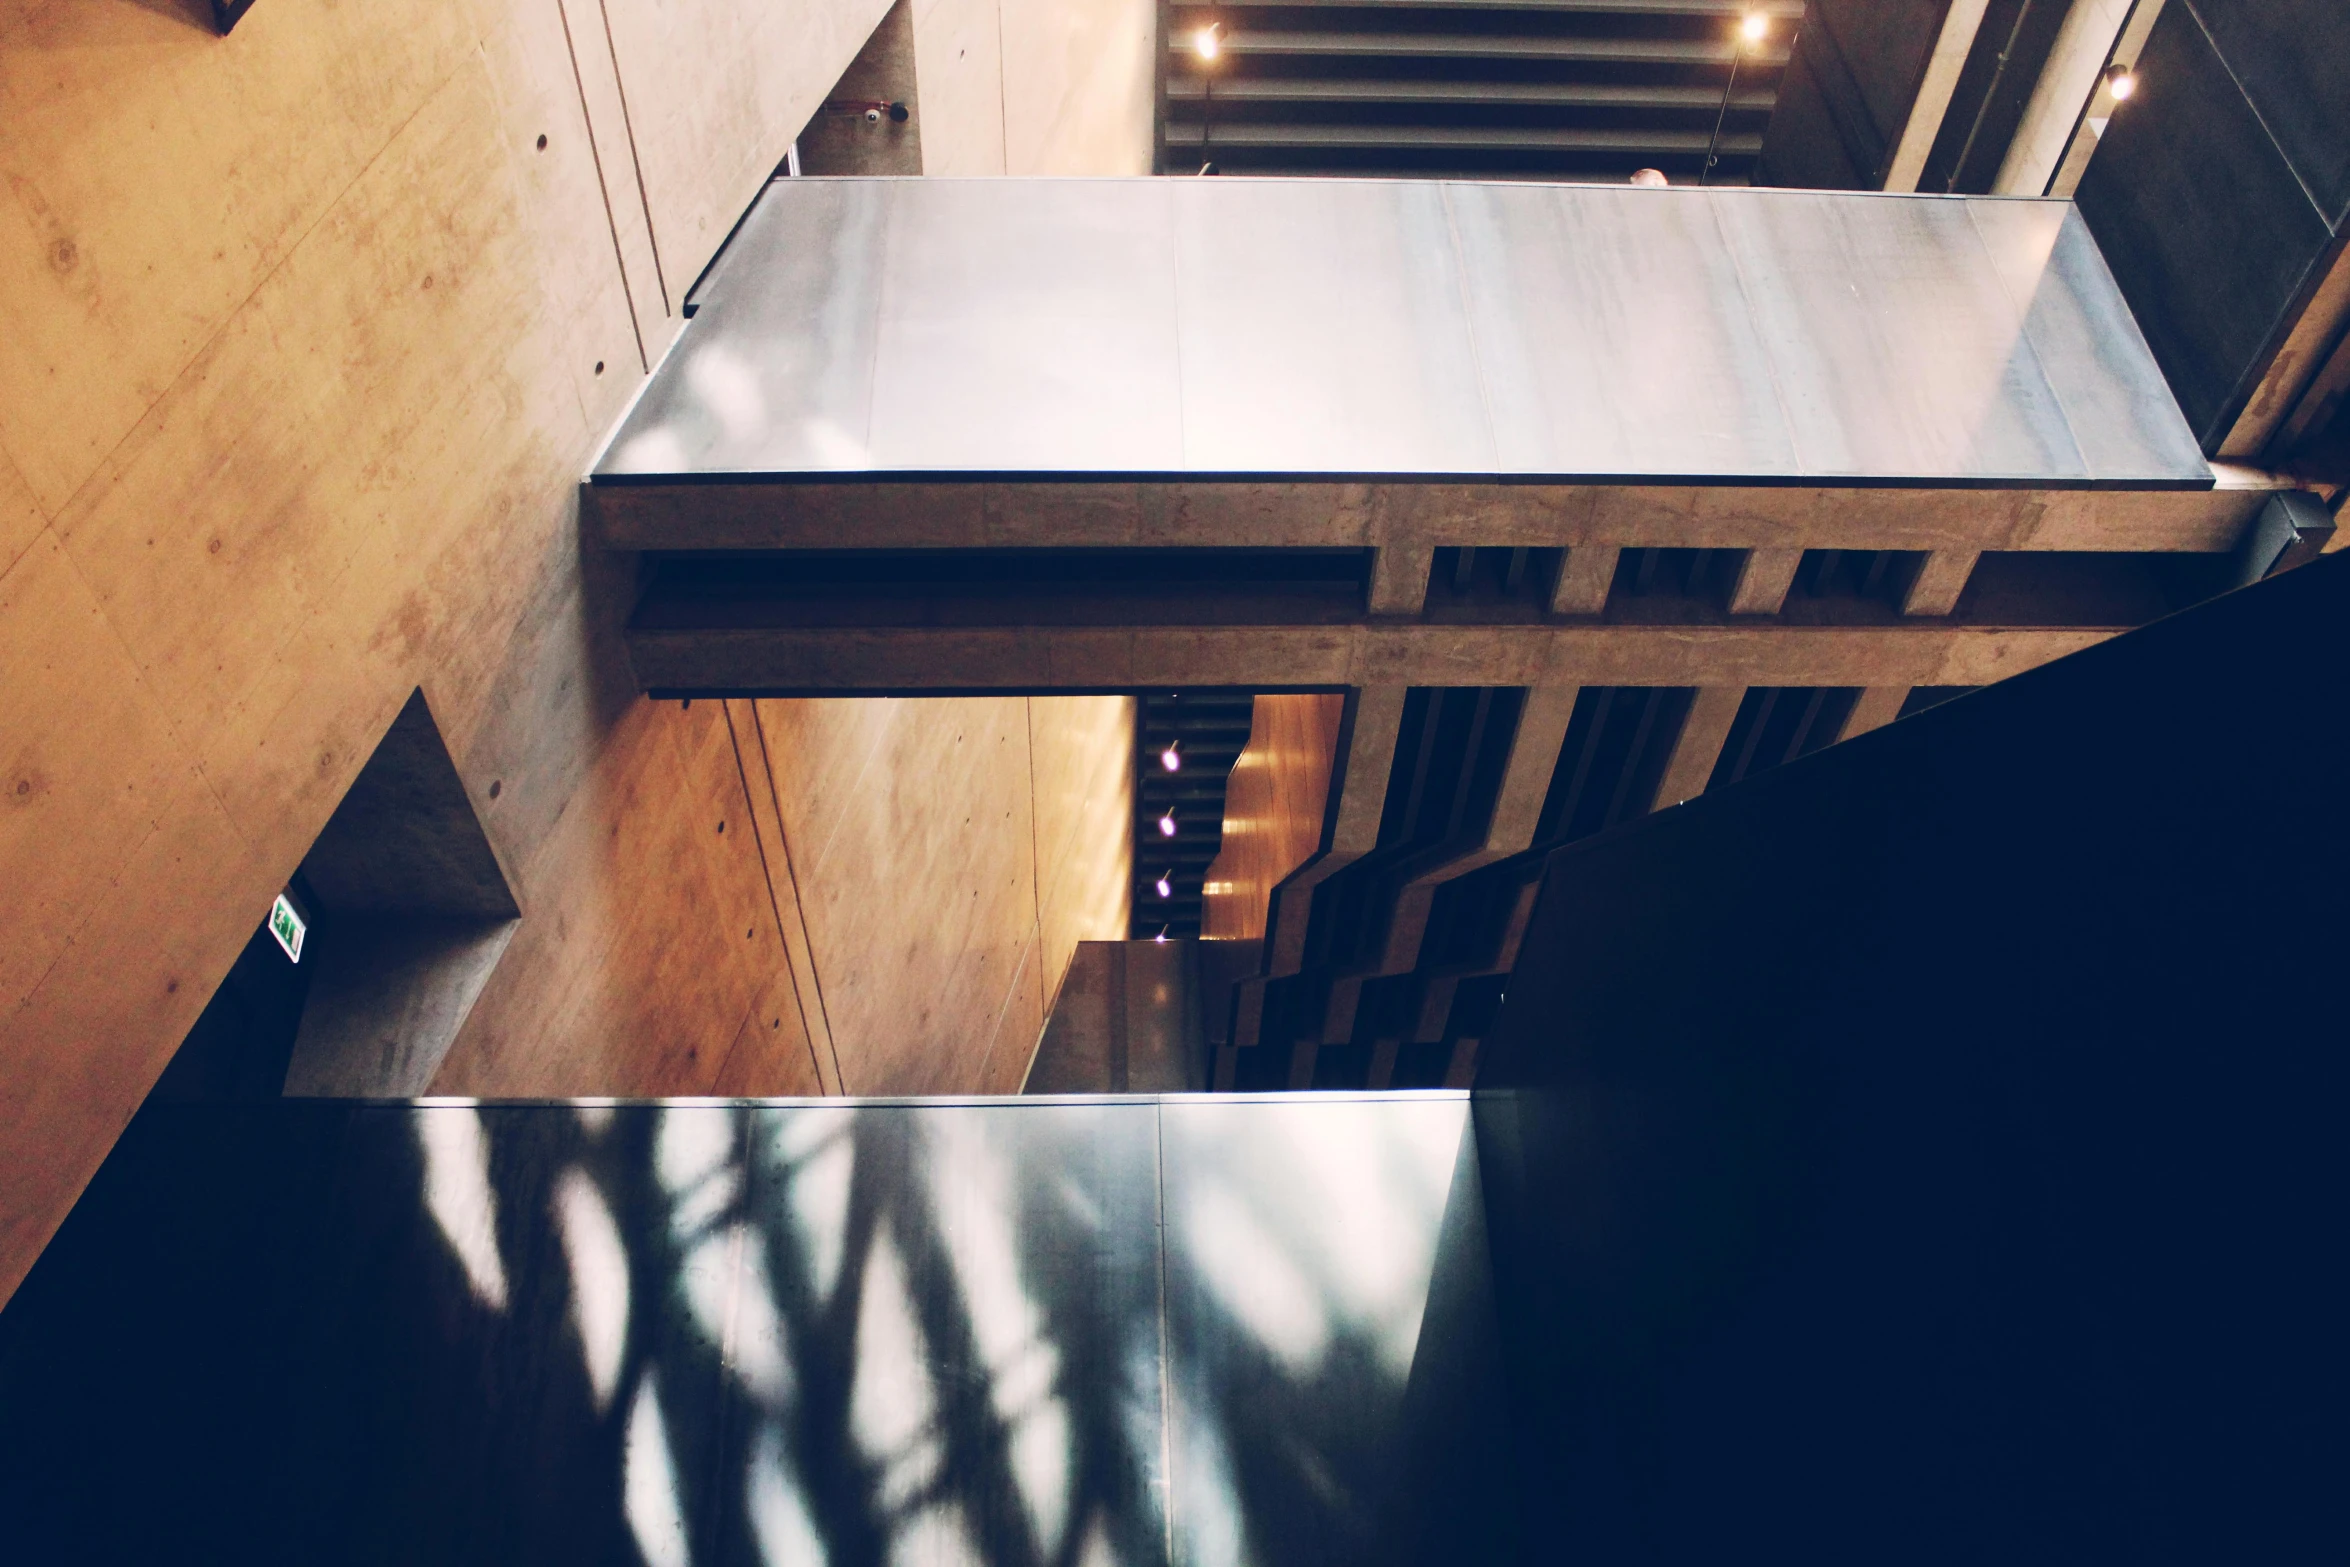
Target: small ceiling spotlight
[[2120, 81], [1171, 758], [1208, 42], [1166, 885], [1161, 937], [1754, 27], [1167, 823]]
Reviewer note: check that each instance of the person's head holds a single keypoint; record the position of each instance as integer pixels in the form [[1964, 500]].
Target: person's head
[[1650, 177]]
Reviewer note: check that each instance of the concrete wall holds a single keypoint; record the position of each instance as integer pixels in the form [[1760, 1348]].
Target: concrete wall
[[922, 873], [309, 334], [1036, 86]]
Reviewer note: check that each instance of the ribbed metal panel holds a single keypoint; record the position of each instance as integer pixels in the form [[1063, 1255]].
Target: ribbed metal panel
[[1528, 89]]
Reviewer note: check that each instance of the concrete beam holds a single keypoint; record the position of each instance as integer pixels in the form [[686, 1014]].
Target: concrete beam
[[1436, 996], [1936, 587], [1399, 578], [1590, 520], [1764, 577], [1703, 734], [824, 661], [1534, 754], [1951, 47], [1461, 1070], [1361, 791], [2304, 382], [1877, 707], [1584, 579]]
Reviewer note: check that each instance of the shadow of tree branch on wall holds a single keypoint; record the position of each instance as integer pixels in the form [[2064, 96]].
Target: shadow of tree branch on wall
[[714, 1334]]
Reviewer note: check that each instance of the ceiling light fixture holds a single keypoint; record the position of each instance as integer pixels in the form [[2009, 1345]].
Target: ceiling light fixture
[[1167, 823], [1755, 27], [1206, 43], [1171, 758], [2120, 81], [1166, 885]]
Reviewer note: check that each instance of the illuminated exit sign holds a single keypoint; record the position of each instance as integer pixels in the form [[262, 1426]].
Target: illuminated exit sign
[[287, 927]]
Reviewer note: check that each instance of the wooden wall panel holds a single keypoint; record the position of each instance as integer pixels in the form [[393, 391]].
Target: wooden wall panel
[[1272, 811]]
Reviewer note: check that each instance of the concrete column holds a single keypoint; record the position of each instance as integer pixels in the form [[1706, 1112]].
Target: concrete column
[[1939, 581], [1959, 25], [1877, 707], [2072, 76], [1584, 580], [1700, 745], [1763, 580], [2092, 120]]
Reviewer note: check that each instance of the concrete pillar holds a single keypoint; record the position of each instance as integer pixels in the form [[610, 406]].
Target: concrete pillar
[[2072, 76], [2074, 160], [1959, 25]]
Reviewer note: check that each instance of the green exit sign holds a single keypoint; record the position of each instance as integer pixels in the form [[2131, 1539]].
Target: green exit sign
[[287, 927]]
